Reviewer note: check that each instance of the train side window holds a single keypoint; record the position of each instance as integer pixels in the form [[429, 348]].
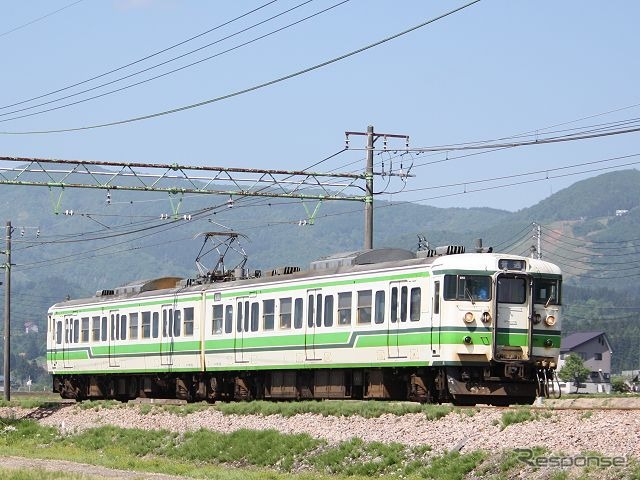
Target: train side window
[[95, 329], [268, 314], [328, 311], [394, 304], [58, 333], [414, 305], [364, 306], [319, 310], [67, 329], [167, 321], [155, 324], [344, 308], [239, 317], [146, 324], [285, 313], [76, 330], [255, 316], [436, 298], [133, 326], [216, 325], [123, 327], [404, 297], [177, 322], [188, 321], [379, 314], [103, 329], [310, 312], [246, 316], [297, 313], [85, 329], [113, 326], [228, 319]]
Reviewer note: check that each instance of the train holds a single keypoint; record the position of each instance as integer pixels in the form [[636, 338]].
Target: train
[[441, 325]]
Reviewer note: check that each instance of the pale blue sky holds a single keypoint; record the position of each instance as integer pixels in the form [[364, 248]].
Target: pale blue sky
[[494, 69]]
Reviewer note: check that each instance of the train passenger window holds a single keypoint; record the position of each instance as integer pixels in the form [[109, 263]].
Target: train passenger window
[[177, 323], [85, 329], [112, 323], [76, 330], [512, 290], [146, 324], [228, 319], [310, 312], [246, 316], [436, 298], [133, 326], [268, 314], [239, 317], [319, 310], [216, 325], [285, 313], [297, 313], [188, 321], [328, 311], [255, 316], [95, 329], [394, 304], [67, 329], [364, 306], [379, 314], [546, 291], [344, 308], [167, 322], [414, 306], [59, 333], [103, 329], [404, 294], [155, 324], [123, 327]]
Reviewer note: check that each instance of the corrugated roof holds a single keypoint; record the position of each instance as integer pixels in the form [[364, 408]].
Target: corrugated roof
[[578, 338]]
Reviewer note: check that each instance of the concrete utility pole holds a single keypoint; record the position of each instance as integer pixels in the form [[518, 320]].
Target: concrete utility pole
[[7, 315]]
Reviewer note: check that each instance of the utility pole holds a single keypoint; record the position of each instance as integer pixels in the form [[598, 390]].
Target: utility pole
[[7, 315], [368, 176]]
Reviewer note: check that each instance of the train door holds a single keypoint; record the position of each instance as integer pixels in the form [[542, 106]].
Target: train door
[[241, 328], [399, 301], [314, 320], [114, 330], [513, 328], [67, 338], [435, 320], [167, 340]]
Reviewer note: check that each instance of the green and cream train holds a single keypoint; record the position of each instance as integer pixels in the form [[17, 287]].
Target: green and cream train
[[431, 326]]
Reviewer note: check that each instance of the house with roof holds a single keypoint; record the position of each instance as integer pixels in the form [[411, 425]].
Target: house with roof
[[595, 350]]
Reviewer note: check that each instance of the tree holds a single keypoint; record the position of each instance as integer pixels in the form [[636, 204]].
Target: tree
[[574, 370], [618, 385]]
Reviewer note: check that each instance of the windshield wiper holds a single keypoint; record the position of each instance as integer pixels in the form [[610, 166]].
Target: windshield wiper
[[468, 293]]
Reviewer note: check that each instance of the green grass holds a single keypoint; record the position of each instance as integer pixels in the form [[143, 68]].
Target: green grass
[[39, 474], [519, 415]]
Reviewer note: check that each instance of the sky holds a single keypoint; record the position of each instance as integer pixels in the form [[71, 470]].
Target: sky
[[492, 70]]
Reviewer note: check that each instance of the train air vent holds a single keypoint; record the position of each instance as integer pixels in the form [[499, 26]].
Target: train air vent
[[104, 293], [440, 251], [284, 271]]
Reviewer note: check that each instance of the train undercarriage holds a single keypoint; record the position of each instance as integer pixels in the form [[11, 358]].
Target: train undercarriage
[[495, 385]]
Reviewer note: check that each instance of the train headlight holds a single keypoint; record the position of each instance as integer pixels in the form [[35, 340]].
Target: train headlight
[[467, 340], [486, 317], [536, 319], [468, 317], [550, 320]]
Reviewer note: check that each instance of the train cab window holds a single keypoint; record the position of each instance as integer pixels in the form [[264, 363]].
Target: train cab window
[[133, 326], [379, 313], [268, 314], [328, 311], [285, 313], [85, 330], [216, 324], [297, 313], [188, 321], [59, 333], [155, 324], [470, 288], [364, 306], [414, 305], [344, 308], [394, 304], [228, 319], [404, 294], [123, 327], [177, 323], [255, 316], [103, 329], [512, 290], [146, 324], [95, 329], [546, 291]]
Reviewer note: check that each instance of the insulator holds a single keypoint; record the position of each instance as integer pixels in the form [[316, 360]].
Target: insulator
[[37, 233], [164, 216], [230, 203], [68, 212], [186, 217], [22, 232], [108, 198]]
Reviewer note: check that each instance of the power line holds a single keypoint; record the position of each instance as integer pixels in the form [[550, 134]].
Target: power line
[[249, 89], [19, 27]]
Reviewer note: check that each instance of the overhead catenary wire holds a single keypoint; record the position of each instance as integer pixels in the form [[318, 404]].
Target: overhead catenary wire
[[42, 17]]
